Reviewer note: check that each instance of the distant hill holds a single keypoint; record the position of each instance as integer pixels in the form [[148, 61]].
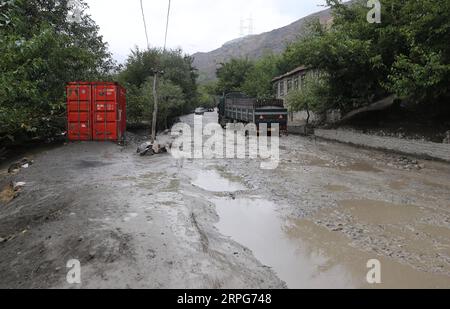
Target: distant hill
[[253, 46]]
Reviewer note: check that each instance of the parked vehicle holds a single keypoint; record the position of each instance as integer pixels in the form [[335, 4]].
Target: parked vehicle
[[239, 108], [200, 111]]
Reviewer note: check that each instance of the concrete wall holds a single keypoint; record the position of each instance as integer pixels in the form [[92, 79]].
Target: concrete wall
[[415, 148], [299, 118]]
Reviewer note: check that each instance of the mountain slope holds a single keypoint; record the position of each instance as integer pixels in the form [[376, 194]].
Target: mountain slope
[[253, 46]]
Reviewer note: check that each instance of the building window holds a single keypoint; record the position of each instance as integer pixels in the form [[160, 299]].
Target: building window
[[282, 89], [296, 85], [289, 85], [303, 80]]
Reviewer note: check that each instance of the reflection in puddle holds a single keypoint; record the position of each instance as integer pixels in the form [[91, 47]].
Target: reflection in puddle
[[306, 255], [255, 224], [212, 181]]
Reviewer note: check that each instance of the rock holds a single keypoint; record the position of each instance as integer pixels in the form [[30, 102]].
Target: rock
[[92, 255], [447, 138], [24, 163], [144, 148], [18, 185], [157, 149], [8, 194]]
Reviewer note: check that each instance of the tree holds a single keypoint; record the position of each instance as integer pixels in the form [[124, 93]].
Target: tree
[[232, 75], [312, 97], [407, 54], [178, 74], [207, 95], [258, 80], [40, 51], [171, 98]]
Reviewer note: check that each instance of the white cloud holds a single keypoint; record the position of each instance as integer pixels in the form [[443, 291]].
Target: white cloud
[[196, 25]]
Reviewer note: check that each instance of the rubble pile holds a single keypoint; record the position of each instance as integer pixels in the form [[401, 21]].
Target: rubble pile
[[16, 167], [447, 138], [162, 144], [405, 163]]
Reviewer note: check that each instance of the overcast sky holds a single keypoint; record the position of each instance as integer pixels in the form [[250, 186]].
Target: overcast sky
[[196, 25]]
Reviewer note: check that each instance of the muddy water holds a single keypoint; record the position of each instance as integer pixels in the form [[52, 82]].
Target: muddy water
[[336, 188], [305, 255], [212, 181], [255, 224], [378, 212]]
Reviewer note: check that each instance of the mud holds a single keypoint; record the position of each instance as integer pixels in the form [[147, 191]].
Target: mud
[[151, 222]]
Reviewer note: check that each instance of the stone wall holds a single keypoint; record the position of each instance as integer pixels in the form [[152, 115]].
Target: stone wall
[[410, 147]]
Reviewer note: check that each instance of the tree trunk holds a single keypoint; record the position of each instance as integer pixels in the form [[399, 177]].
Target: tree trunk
[[307, 119], [155, 109]]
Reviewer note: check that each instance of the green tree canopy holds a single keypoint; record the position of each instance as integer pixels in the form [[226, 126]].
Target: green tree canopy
[[258, 81], [406, 54], [40, 51], [176, 73], [233, 74]]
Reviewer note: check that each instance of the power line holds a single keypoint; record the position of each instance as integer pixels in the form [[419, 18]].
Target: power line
[[145, 25], [167, 25]]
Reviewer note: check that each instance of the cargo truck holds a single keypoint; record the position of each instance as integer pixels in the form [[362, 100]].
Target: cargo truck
[[238, 108]]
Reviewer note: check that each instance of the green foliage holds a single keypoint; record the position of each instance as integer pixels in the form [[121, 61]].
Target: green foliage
[[177, 88], [39, 52], [251, 78], [311, 97], [258, 81], [232, 75], [407, 54], [207, 95], [171, 101]]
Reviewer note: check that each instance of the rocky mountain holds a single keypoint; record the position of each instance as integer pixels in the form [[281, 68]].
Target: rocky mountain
[[253, 46]]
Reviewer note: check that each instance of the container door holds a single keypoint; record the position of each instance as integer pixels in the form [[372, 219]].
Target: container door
[[79, 112], [105, 112], [123, 112]]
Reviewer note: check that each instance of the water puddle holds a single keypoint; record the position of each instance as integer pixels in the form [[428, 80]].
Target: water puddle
[[212, 181], [306, 255], [398, 185], [378, 212], [130, 217], [336, 188], [360, 167], [255, 224]]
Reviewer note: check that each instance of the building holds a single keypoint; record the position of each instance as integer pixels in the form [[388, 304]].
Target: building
[[294, 80]]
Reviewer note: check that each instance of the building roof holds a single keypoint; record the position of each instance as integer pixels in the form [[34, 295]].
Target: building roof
[[288, 74]]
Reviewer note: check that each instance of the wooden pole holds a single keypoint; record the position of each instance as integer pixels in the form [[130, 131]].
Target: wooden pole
[[155, 108]]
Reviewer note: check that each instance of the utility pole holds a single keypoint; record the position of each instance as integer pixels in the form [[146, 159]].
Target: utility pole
[[155, 106], [155, 81]]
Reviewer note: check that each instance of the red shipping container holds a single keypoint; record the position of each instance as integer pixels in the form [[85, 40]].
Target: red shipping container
[[96, 111]]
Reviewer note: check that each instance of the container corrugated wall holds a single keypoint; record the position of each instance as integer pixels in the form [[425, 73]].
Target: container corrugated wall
[[96, 111]]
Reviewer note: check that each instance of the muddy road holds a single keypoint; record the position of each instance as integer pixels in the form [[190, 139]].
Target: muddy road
[[151, 222]]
